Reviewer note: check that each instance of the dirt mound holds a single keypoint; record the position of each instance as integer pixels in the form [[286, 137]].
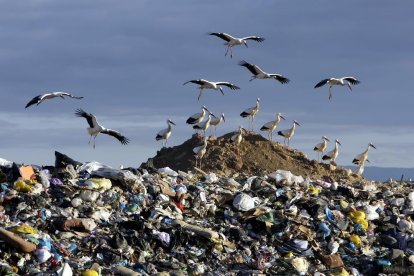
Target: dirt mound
[[255, 155]]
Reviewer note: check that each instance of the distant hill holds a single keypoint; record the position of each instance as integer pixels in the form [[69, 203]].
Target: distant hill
[[383, 174]]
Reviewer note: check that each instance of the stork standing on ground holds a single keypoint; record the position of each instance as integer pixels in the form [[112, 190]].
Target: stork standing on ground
[[272, 125], [217, 121], [258, 73], [238, 138], [321, 147], [198, 117], [165, 133], [288, 133], [333, 154], [361, 167], [341, 81], [251, 112], [95, 128], [204, 125], [200, 151], [233, 41], [362, 157], [40, 98], [205, 84]]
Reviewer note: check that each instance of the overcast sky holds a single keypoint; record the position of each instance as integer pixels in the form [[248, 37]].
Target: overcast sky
[[129, 60]]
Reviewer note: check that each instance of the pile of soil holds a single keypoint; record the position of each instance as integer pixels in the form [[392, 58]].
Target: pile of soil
[[254, 156]]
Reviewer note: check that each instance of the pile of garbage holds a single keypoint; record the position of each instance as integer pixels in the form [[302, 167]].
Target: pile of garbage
[[90, 219]]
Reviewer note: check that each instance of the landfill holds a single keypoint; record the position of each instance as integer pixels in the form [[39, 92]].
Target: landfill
[[77, 218]]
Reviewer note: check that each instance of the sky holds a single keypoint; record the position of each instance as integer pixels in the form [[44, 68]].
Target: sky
[[129, 60]]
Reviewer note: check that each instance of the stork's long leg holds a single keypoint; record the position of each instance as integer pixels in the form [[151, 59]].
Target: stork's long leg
[[330, 93], [90, 139], [94, 141], [231, 52], [252, 78], [199, 95], [227, 51]]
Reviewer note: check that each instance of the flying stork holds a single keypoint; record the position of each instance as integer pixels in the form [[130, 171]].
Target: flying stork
[[341, 81], [199, 151], [333, 154], [204, 125], [165, 133], [362, 157], [288, 133], [216, 121], [272, 125], [251, 112], [233, 41], [321, 147], [205, 84], [40, 98], [95, 128], [258, 73], [197, 117]]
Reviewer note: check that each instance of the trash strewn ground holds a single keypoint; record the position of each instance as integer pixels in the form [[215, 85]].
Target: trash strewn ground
[[90, 219]]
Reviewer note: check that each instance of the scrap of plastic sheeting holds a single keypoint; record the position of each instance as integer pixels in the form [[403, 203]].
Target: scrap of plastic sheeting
[[290, 178], [99, 183], [167, 171], [243, 202], [211, 178], [5, 163], [66, 270], [43, 255], [325, 230], [162, 236], [27, 172], [301, 265]]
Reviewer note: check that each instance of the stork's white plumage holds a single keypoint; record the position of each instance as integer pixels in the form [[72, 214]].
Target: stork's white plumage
[[361, 167], [95, 128], [40, 98], [217, 121], [272, 125], [165, 133], [251, 112], [198, 117], [333, 154], [233, 41], [288, 133], [341, 81], [362, 157], [321, 147], [238, 138], [205, 84], [204, 125], [258, 73], [199, 151]]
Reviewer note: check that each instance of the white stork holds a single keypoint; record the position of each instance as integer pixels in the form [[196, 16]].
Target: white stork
[[216, 121], [258, 73], [362, 157], [95, 128], [288, 133], [321, 147], [233, 41], [198, 117], [341, 81], [204, 125], [40, 98], [272, 125], [333, 154], [205, 84], [238, 137], [251, 112], [165, 133], [199, 151], [361, 167]]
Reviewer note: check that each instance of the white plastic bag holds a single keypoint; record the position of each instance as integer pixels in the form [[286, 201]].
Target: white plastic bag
[[243, 202]]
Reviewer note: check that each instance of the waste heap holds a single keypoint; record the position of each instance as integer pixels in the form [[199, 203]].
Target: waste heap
[[90, 219]]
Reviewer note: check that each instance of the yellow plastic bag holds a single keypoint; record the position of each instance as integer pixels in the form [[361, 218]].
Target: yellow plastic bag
[[99, 183], [23, 229], [90, 272], [22, 187], [355, 239], [359, 217]]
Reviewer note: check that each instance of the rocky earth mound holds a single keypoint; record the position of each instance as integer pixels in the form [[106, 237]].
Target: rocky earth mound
[[255, 155]]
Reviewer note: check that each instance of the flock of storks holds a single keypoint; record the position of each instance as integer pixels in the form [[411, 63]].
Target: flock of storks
[[198, 122]]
